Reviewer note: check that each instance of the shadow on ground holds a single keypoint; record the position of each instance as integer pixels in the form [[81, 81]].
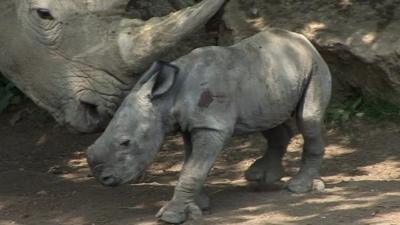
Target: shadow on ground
[[45, 180]]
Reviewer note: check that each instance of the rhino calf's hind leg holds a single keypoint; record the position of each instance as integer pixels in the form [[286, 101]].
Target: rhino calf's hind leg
[[269, 169], [313, 152], [310, 123]]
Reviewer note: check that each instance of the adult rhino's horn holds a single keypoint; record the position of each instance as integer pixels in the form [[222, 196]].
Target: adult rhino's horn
[[141, 42]]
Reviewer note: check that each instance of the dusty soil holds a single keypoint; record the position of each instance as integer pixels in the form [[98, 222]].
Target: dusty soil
[[44, 180]]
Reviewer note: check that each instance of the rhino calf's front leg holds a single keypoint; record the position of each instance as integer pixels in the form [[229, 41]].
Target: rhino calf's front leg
[[207, 144]]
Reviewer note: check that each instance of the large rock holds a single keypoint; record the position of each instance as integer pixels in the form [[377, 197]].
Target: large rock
[[359, 39]]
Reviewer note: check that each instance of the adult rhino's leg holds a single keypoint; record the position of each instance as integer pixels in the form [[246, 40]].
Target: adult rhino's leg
[[310, 123], [207, 144], [269, 169]]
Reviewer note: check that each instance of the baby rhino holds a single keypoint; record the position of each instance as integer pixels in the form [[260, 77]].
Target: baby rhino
[[209, 95]]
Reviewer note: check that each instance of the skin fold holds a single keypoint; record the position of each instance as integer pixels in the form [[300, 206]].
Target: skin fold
[[79, 58], [209, 95]]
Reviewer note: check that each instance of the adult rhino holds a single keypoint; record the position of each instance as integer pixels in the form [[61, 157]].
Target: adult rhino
[[75, 58]]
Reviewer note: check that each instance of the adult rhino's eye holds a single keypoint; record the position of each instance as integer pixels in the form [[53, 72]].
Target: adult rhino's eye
[[44, 14]]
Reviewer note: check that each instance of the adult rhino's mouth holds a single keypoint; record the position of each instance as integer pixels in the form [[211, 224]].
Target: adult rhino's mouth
[[86, 117], [95, 96], [90, 111]]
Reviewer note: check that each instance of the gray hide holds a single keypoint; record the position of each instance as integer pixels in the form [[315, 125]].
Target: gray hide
[[257, 85], [78, 58]]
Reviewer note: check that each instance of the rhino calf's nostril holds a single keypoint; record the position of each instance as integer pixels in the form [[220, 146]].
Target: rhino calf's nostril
[[109, 181], [125, 143]]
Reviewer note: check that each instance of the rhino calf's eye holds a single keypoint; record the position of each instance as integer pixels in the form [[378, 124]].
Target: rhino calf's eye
[[125, 143], [44, 14]]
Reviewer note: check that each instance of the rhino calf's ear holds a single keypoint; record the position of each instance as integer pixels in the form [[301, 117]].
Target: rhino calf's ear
[[164, 79], [152, 71]]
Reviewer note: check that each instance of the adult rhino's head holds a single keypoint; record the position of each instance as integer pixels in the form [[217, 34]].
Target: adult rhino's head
[[78, 58]]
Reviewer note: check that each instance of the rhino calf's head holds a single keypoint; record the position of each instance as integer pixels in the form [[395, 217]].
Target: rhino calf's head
[[135, 134]]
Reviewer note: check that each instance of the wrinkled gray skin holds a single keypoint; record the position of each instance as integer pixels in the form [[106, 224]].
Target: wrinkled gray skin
[[257, 85], [79, 58]]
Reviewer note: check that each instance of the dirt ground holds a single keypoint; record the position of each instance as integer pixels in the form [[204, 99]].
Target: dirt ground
[[44, 180]]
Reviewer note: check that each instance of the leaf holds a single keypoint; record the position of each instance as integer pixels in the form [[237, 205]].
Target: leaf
[[345, 116], [3, 80], [10, 86], [16, 99], [5, 101], [2, 91], [356, 104]]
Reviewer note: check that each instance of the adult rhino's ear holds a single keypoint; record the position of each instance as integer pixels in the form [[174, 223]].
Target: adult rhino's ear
[[164, 79], [158, 79]]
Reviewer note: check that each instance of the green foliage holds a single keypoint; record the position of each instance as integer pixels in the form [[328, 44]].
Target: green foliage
[[374, 110], [9, 94]]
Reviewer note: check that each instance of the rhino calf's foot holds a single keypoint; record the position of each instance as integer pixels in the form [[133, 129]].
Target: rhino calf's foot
[[262, 171], [203, 201], [300, 184], [267, 171], [177, 212], [303, 186], [303, 182], [266, 180]]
